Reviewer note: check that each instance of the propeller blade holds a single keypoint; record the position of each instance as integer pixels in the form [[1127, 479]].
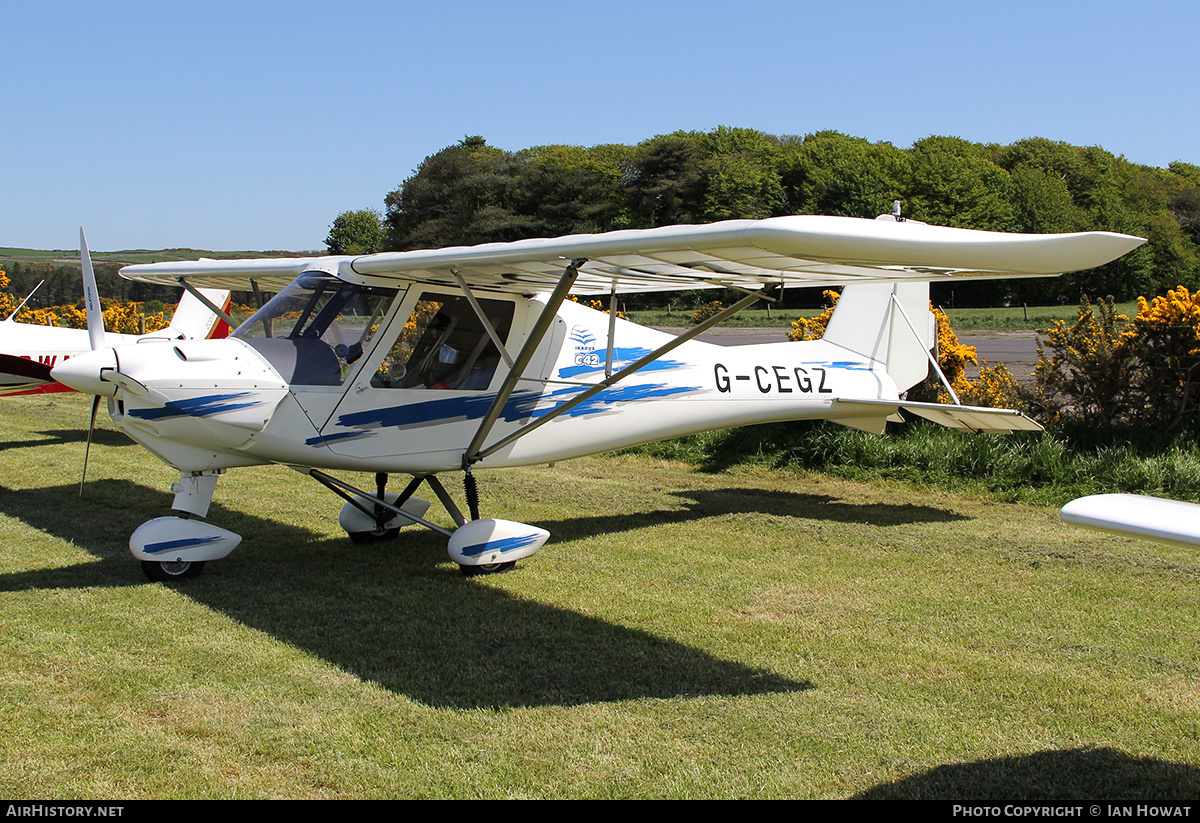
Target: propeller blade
[[88, 448], [91, 296]]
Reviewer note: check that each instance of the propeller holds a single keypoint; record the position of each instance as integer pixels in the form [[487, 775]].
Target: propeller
[[91, 296], [88, 448], [95, 321]]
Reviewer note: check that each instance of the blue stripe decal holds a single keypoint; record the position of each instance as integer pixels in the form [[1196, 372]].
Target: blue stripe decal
[[848, 365], [322, 439], [508, 544], [196, 407], [521, 405], [182, 543], [446, 410], [625, 394]]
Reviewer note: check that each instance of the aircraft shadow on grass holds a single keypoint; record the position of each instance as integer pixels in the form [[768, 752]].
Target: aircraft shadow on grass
[[698, 504], [59, 437], [398, 614], [1086, 775]]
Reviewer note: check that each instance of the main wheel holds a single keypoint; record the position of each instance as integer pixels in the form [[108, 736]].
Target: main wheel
[[168, 571], [487, 568], [376, 536]]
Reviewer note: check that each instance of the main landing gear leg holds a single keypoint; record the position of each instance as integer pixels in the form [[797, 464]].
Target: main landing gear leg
[[471, 491], [478, 546], [486, 546], [176, 548], [364, 518]]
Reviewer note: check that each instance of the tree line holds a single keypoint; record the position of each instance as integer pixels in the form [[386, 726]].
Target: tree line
[[63, 284], [472, 192]]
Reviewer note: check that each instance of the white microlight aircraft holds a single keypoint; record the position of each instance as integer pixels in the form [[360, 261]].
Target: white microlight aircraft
[[458, 359]]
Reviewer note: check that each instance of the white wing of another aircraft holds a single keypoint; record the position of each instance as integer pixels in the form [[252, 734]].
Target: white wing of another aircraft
[[1137, 515], [468, 358]]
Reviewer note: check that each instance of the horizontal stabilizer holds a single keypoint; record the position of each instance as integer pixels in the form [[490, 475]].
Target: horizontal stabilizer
[[1136, 515], [964, 418]]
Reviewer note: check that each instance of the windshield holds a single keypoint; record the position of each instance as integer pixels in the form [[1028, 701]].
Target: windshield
[[314, 330]]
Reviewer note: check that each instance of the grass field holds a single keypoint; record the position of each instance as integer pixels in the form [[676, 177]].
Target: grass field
[[682, 635]]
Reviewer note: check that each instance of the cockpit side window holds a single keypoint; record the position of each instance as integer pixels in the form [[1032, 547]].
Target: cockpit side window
[[314, 330], [445, 346]]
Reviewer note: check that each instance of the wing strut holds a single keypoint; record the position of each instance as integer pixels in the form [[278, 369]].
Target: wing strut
[[544, 321], [612, 329], [622, 374], [487, 324]]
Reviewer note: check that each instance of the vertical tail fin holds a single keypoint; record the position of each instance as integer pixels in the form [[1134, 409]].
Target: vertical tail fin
[[194, 320], [888, 322]]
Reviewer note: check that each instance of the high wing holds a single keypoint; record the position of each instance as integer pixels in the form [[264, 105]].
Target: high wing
[[797, 250]]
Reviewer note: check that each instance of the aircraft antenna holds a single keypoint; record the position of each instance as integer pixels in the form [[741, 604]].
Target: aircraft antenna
[[23, 302]]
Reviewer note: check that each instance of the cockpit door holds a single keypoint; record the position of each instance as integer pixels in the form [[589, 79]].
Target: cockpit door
[[433, 374], [317, 333]]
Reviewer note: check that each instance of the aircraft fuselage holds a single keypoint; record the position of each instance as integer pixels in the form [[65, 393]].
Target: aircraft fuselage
[[410, 399]]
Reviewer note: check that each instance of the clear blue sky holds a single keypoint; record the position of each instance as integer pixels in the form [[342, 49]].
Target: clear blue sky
[[251, 125]]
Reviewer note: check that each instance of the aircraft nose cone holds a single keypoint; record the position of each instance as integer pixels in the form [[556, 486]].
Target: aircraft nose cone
[[82, 372]]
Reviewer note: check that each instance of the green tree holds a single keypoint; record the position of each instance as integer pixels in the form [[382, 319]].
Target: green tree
[[573, 189], [1185, 198], [464, 194], [666, 181], [1042, 203], [743, 176], [955, 183], [833, 173], [356, 232], [474, 193]]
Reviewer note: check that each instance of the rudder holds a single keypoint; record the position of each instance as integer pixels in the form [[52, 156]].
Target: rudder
[[870, 320]]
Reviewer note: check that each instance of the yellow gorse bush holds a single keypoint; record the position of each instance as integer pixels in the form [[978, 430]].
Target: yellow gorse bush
[[1174, 319], [596, 305], [704, 312], [812, 328], [1109, 369], [122, 318], [7, 301]]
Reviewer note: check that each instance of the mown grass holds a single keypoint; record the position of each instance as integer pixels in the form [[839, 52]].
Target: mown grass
[[736, 633], [1020, 318], [747, 318]]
